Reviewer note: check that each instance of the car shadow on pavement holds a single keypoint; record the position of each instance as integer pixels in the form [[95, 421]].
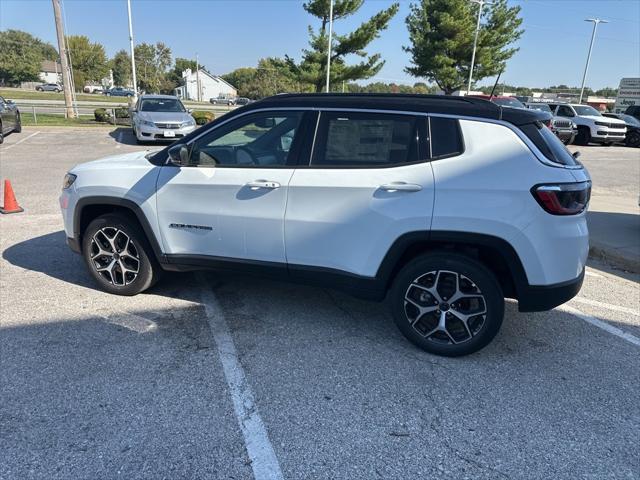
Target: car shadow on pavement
[[615, 238], [123, 135]]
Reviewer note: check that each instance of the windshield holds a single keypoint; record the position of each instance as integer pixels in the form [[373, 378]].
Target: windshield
[[161, 105], [586, 110], [541, 106], [508, 102], [630, 120]]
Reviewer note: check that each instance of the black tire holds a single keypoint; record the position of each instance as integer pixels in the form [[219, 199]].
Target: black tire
[[38, 89], [124, 283], [633, 139], [474, 279], [108, 94], [18, 127], [1, 134], [583, 137]]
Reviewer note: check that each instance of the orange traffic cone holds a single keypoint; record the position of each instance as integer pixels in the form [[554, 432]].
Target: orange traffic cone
[[10, 202]]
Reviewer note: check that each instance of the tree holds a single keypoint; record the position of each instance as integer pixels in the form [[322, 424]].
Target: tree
[[21, 55], [121, 68], [312, 68], [271, 76], [174, 77], [152, 62], [88, 60], [441, 34]]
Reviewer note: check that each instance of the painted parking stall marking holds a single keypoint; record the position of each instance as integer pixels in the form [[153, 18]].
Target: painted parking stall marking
[[19, 141], [264, 462]]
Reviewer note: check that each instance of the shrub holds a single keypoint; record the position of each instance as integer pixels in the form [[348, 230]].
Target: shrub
[[122, 112], [101, 115], [202, 116]]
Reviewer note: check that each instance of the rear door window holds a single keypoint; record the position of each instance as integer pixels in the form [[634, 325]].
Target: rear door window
[[366, 140], [548, 144]]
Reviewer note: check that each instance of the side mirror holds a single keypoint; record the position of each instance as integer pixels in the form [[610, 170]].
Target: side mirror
[[576, 155], [10, 102], [179, 155], [189, 111]]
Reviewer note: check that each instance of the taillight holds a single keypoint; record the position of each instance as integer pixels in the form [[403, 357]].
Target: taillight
[[563, 198]]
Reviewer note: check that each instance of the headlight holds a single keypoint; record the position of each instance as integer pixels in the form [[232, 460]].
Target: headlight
[[602, 124], [69, 178], [188, 123], [147, 123]]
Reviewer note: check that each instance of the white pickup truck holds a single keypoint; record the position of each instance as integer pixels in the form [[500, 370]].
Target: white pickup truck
[[592, 126]]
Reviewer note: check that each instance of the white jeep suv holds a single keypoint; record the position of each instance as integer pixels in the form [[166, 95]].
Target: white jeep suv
[[443, 205], [592, 125]]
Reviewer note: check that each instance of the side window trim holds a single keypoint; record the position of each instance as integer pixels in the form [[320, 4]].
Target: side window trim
[[421, 128]]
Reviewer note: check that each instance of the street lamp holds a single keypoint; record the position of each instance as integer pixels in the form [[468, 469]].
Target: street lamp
[[481, 3], [133, 60], [329, 45], [595, 21]]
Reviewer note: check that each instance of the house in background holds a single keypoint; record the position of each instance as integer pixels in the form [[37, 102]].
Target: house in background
[[50, 72], [210, 86]]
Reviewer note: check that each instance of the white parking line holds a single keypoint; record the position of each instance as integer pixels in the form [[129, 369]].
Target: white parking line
[[263, 458], [615, 308], [596, 322], [20, 141]]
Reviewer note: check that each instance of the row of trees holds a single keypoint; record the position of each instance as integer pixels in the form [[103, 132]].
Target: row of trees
[[441, 34]]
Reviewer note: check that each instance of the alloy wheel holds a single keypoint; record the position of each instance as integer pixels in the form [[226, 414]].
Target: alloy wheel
[[445, 307], [114, 256]]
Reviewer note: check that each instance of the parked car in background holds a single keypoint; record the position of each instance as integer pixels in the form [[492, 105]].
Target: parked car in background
[[592, 126], [160, 118], [119, 92], [222, 101], [564, 128], [442, 205], [242, 101], [9, 118], [632, 138], [634, 111], [49, 87], [93, 89], [502, 100]]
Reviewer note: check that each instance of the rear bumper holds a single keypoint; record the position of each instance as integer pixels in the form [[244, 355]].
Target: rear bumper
[[534, 298]]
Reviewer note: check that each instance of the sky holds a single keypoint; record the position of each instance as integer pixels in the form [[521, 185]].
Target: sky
[[227, 34]]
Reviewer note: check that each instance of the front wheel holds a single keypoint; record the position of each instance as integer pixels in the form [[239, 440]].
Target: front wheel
[[447, 304], [633, 139], [583, 137], [18, 127], [119, 256]]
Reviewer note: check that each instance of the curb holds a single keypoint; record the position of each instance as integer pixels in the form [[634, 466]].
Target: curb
[[615, 259]]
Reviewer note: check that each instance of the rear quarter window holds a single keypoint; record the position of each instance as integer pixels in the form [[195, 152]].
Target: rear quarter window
[[446, 137], [548, 144]]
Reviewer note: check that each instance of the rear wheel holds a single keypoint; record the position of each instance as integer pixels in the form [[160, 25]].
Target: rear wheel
[[447, 304], [119, 256], [583, 137], [633, 139], [1, 134]]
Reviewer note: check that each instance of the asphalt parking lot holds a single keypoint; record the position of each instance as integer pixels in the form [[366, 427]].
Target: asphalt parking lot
[[209, 376]]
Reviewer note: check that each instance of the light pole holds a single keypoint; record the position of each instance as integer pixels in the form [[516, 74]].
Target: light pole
[[329, 44], [133, 60], [595, 21], [481, 3]]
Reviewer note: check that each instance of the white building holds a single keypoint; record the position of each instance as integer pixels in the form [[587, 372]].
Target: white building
[[211, 86], [50, 72]]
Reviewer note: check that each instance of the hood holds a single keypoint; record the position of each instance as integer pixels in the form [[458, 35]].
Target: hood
[[600, 118], [124, 160], [165, 117]]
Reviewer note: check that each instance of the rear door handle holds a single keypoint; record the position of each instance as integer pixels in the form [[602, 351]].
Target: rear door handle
[[401, 187], [256, 184]]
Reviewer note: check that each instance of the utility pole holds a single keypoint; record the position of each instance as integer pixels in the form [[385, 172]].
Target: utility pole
[[329, 46], [66, 76], [481, 3], [133, 59], [595, 21]]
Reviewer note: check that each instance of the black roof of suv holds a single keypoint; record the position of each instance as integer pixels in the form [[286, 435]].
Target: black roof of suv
[[463, 106]]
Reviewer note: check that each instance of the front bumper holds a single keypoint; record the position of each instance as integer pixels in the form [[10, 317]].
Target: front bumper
[[565, 133], [155, 134], [606, 135], [535, 298]]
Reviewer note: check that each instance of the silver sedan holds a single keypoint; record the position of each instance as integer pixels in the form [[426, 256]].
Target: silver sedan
[[160, 118]]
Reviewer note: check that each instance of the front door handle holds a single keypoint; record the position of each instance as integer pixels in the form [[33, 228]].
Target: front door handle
[[257, 184], [401, 187]]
